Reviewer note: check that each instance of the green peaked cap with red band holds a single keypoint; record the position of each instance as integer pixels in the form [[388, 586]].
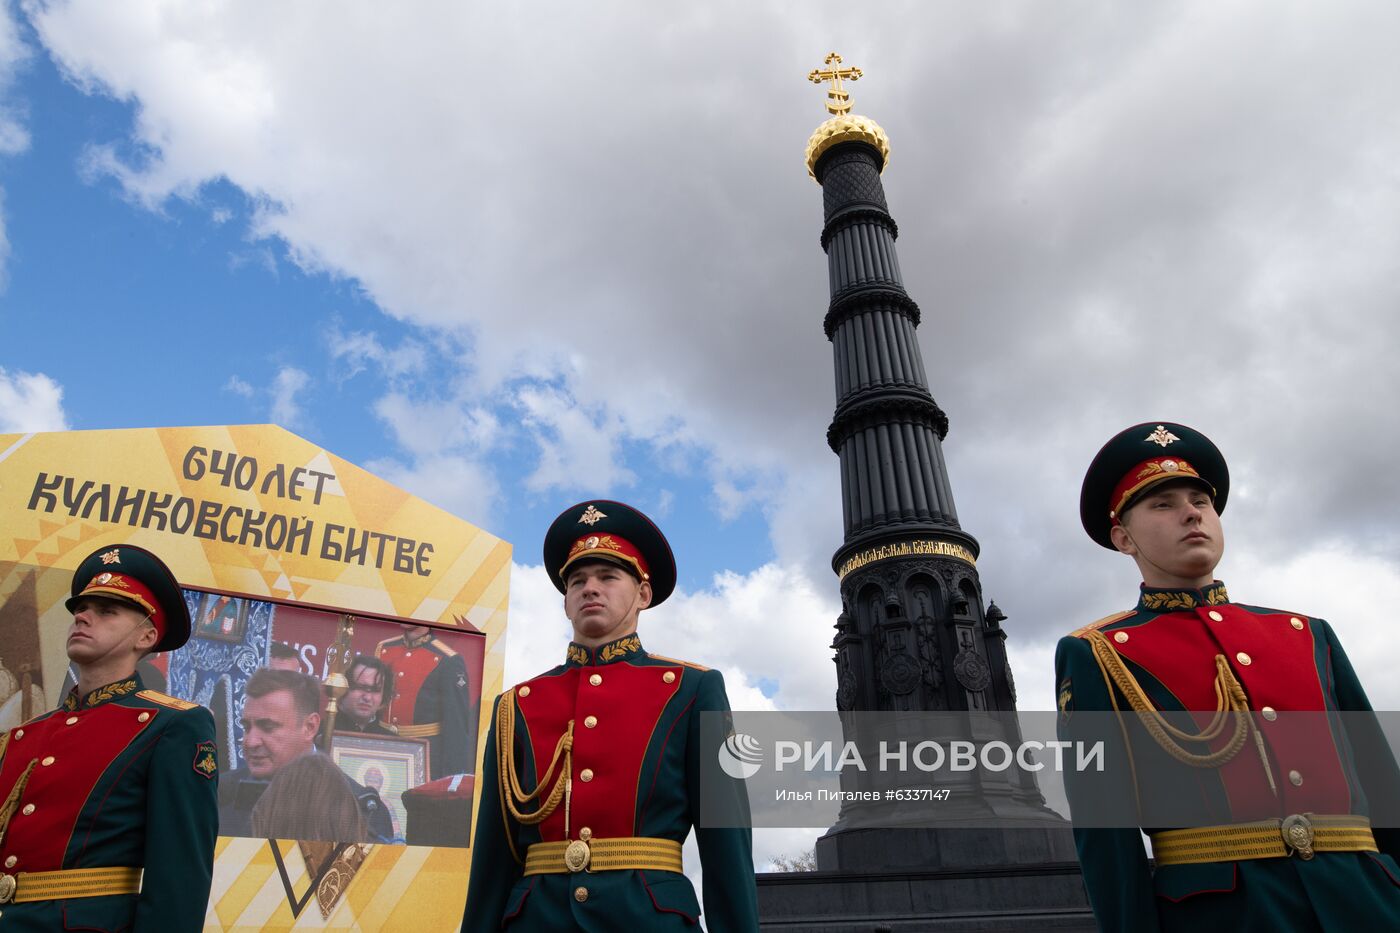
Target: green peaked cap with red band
[[1141, 458], [601, 529], [136, 576]]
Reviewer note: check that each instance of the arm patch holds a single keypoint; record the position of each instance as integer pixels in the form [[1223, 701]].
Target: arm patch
[[206, 760]]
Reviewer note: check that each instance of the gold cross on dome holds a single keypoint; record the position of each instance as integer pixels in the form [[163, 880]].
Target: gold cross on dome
[[837, 100]]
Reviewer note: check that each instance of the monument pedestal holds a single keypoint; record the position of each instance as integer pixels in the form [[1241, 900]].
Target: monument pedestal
[[948, 880]]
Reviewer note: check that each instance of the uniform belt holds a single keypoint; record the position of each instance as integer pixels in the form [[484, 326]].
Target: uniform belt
[[421, 731], [558, 858], [75, 882], [1302, 834]]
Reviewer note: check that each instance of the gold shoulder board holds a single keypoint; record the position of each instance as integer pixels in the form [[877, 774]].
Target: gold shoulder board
[[4, 740], [661, 657], [1106, 620], [155, 696], [442, 646]]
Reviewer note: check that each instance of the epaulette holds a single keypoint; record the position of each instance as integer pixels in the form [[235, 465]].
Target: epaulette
[[1106, 620], [690, 664], [155, 696], [379, 648], [4, 740], [442, 646]]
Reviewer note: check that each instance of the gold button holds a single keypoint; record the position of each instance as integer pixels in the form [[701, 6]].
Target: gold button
[[580, 894], [1120, 637], [524, 691], [1269, 713], [585, 834], [72, 719], [669, 677], [143, 717], [11, 862], [28, 809], [1243, 658], [1296, 623], [590, 721], [1215, 616], [47, 761], [596, 679], [586, 775], [19, 733], [1295, 778]]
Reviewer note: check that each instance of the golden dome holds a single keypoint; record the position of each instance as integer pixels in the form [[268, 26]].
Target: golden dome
[[846, 128]]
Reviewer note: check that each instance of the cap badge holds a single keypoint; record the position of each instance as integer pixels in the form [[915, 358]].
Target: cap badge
[[1170, 466], [103, 579], [591, 543], [591, 516], [114, 556], [1161, 436]]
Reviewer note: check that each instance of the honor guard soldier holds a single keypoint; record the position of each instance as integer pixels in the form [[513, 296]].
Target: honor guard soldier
[[431, 699], [107, 804], [1249, 719], [590, 781]]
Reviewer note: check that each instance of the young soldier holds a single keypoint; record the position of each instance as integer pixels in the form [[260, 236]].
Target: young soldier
[[1279, 837], [108, 813], [590, 779]]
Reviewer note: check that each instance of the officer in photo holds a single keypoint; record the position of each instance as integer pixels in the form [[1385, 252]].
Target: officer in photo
[[108, 803], [1220, 705], [590, 781], [431, 699]]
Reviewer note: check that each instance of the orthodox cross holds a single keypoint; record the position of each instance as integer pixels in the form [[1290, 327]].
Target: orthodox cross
[[837, 100]]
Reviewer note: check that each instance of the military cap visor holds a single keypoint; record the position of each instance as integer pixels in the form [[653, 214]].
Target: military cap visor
[[136, 576], [1140, 459], [601, 529]]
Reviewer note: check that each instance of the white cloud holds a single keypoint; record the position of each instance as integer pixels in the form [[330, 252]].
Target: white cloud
[[579, 448], [426, 427], [239, 387], [358, 349], [14, 55], [30, 402], [286, 390]]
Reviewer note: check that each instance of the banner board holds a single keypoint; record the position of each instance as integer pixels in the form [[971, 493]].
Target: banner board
[[319, 593]]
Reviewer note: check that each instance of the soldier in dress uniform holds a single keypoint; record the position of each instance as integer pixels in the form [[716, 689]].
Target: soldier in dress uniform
[[1219, 715], [431, 699], [108, 803], [590, 781]]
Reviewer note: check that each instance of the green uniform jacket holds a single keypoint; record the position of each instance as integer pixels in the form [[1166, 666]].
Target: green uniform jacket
[[1284, 662], [637, 727], [123, 777]]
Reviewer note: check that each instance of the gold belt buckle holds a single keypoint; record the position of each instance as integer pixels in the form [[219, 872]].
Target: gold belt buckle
[[577, 855], [1297, 833], [7, 887]]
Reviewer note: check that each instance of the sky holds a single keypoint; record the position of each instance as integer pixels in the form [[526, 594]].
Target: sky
[[512, 257]]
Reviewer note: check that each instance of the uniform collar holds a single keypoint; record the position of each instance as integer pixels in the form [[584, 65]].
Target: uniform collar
[[623, 649], [1161, 599], [102, 694]]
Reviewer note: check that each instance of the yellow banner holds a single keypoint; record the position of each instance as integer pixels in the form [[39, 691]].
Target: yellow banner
[[254, 511]]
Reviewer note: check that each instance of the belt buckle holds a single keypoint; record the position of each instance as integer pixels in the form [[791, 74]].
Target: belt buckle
[[577, 855], [7, 887], [1297, 831]]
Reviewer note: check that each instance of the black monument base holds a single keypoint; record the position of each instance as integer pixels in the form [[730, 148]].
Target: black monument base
[[953, 880], [1005, 899]]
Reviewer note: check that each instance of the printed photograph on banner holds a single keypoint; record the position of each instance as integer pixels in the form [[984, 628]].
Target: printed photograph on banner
[[334, 726]]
